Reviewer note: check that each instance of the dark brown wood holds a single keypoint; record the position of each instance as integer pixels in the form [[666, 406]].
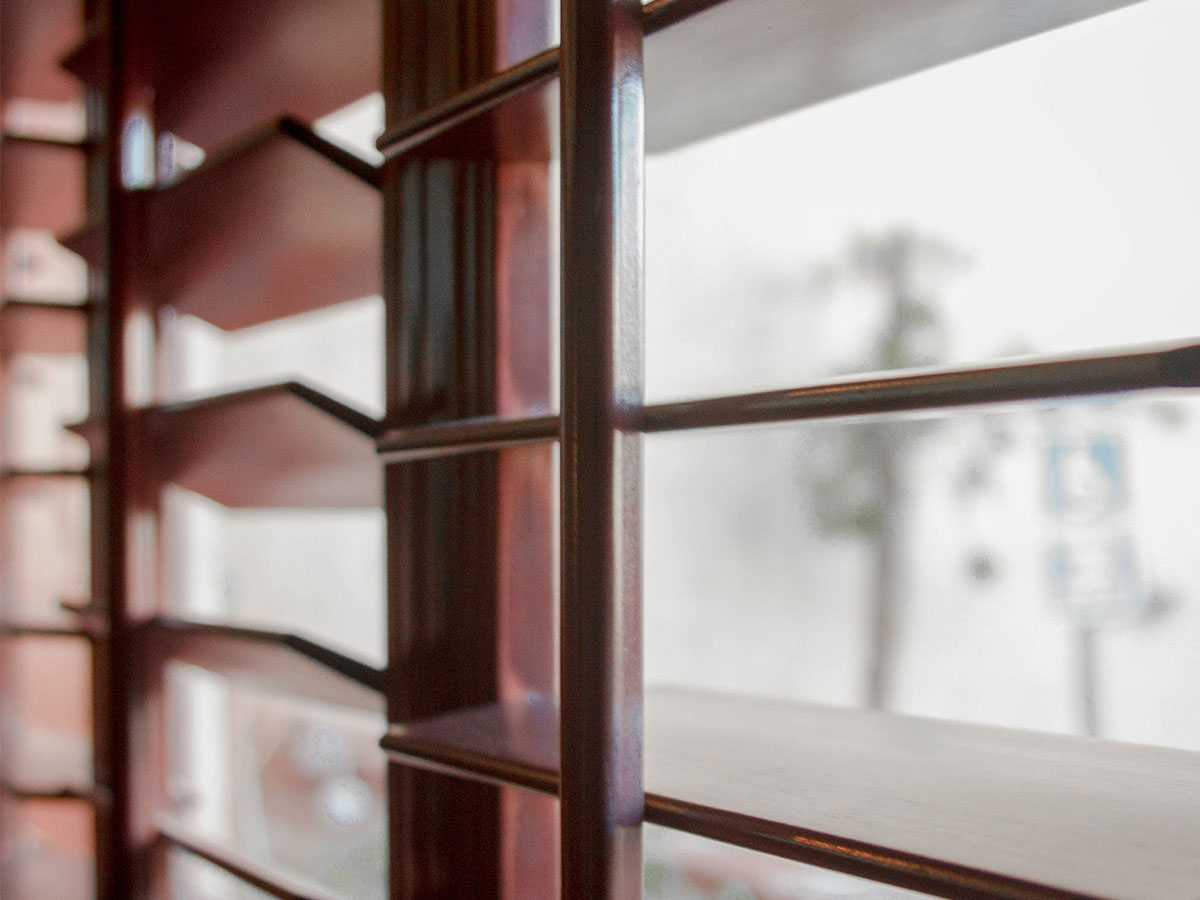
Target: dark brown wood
[[282, 445], [280, 223], [465, 436], [129, 759], [276, 884], [526, 561], [217, 74], [1133, 369], [276, 660], [514, 743], [117, 830], [28, 327], [442, 567], [468, 533], [600, 681], [882, 796], [716, 65], [41, 185], [512, 116], [1172, 367]]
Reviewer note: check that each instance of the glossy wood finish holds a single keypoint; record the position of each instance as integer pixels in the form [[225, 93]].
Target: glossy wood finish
[[30, 327], [444, 626], [218, 73], [35, 34], [511, 117], [1171, 367], [273, 883], [600, 660], [526, 293], [1134, 370], [952, 809], [283, 445], [512, 743], [41, 185], [275, 660], [465, 436], [712, 66], [448, 510], [280, 223]]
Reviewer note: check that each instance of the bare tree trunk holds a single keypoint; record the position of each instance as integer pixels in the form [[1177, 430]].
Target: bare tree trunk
[[884, 613]]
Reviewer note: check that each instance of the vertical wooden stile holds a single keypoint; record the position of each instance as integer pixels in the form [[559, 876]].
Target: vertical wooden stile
[[601, 670]]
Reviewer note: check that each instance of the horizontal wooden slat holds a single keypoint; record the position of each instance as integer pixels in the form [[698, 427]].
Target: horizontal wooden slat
[[1132, 370], [27, 327], [35, 34], [952, 809], [217, 74], [41, 185], [511, 116], [465, 436], [281, 223], [66, 793], [282, 445], [265, 879], [48, 142], [1171, 367], [275, 660], [715, 65], [32, 630], [509, 743], [13, 473]]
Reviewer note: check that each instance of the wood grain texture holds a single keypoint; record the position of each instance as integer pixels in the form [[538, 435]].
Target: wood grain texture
[[275, 660], [282, 445], [954, 809], [282, 222]]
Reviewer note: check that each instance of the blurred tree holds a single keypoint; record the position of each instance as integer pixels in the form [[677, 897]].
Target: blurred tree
[[856, 479]]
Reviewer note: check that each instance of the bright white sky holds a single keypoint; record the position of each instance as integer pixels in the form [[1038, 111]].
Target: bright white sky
[[1064, 165]]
